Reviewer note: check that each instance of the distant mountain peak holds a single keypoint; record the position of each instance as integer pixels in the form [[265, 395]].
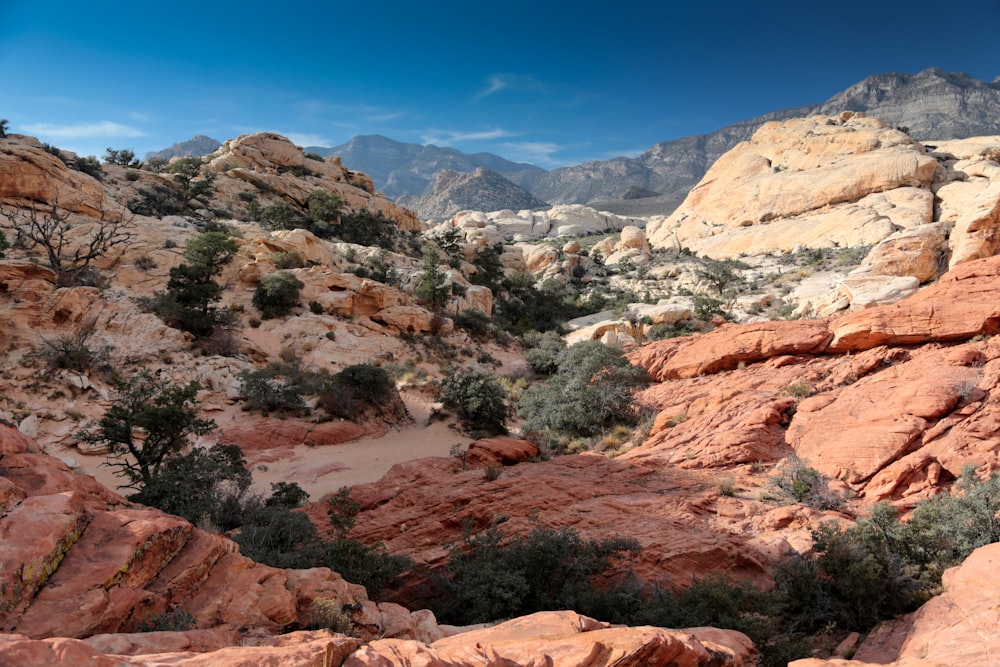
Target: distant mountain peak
[[480, 190], [194, 147]]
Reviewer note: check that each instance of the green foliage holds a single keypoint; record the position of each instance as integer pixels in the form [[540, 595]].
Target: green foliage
[[272, 389], [282, 215], [123, 157], [475, 322], [4, 245], [382, 270], [150, 422], [329, 614], [663, 331], [4, 125], [705, 307], [590, 390], [178, 620], [543, 351], [90, 166], [431, 288], [288, 260], [804, 484], [489, 578], [287, 494], [277, 294], [479, 400], [188, 303], [489, 270], [277, 536], [721, 275], [202, 484]]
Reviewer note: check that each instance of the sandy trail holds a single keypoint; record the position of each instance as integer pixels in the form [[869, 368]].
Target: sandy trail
[[323, 470]]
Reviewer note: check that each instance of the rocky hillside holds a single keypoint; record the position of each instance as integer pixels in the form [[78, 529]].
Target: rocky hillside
[[479, 190]]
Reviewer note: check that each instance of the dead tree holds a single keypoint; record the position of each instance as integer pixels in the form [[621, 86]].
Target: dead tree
[[69, 250]]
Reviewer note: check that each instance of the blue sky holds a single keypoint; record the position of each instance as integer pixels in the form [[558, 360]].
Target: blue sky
[[553, 83]]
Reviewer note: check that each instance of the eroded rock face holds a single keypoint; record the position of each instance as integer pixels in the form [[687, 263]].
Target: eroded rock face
[[32, 174], [851, 396]]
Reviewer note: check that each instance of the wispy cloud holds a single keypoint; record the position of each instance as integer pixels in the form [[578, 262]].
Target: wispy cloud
[[306, 139], [365, 112], [505, 81], [535, 152], [449, 137], [105, 128]]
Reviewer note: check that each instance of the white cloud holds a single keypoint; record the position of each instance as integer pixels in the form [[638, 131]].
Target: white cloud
[[535, 152], [502, 81], [105, 128], [305, 139], [449, 137]]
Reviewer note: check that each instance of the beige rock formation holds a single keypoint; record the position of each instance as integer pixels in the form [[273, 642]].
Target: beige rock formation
[[779, 190], [264, 158]]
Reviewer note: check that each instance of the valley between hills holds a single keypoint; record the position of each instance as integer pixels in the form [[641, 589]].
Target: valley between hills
[[254, 412]]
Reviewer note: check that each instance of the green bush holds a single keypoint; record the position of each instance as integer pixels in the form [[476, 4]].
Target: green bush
[[479, 400], [277, 294], [202, 485], [591, 390], [543, 351], [475, 322], [270, 389], [489, 577]]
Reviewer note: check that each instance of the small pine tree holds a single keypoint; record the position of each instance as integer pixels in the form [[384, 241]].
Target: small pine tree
[[431, 288]]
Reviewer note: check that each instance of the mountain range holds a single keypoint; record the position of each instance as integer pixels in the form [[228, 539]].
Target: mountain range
[[931, 105]]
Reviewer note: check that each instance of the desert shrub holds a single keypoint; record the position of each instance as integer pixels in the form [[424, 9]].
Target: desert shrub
[[369, 228], [73, 351], [277, 294], [144, 263], [287, 494], [272, 389], [202, 485], [177, 620], [664, 331], [158, 201], [282, 215], [89, 165], [705, 307], [591, 390], [277, 536], [478, 399], [475, 322], [804, 484], [489, 577], [329, 614], [288, 260], [543, 350], [361, 391], [721, 275]]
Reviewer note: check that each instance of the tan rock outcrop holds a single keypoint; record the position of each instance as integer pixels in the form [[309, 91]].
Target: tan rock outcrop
[[779, 190], [33, 175], [267, 159]]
